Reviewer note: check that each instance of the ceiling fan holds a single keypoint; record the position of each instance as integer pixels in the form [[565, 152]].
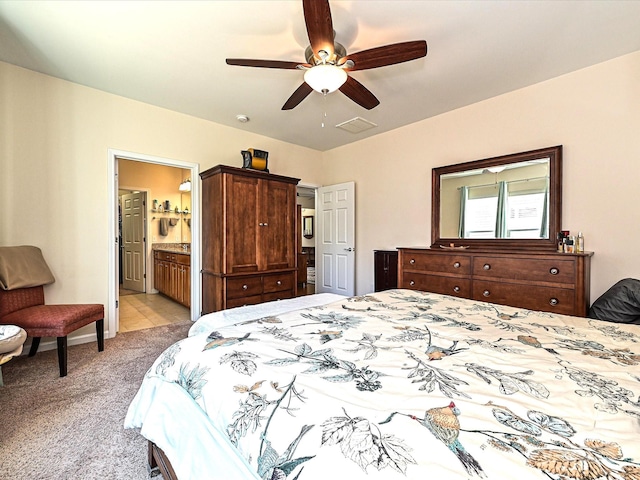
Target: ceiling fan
[[327, 62]]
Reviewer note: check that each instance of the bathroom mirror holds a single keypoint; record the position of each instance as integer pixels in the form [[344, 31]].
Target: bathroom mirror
[[508, 202]]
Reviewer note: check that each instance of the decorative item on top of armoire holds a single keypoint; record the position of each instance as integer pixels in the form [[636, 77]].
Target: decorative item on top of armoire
[[255, 260], [255, 159], [385, 265]]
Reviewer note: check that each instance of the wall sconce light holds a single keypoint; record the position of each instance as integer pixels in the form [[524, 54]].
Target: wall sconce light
[[185, 186]]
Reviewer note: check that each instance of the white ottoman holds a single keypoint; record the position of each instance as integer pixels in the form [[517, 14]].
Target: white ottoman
[[12, 338]]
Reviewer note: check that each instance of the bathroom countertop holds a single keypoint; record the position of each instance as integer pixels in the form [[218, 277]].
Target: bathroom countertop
[[171, 248]]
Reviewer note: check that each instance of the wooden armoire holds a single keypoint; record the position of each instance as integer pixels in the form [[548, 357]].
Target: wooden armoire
[[248, 237]]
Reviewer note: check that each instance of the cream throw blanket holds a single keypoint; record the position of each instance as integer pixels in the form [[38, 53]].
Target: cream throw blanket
[[22, 267]]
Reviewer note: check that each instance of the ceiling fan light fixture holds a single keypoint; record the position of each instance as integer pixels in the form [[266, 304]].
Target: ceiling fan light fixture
[[325, 78]]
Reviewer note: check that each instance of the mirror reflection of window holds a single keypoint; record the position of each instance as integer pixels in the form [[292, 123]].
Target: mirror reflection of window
[[523, 213], [504, 202]]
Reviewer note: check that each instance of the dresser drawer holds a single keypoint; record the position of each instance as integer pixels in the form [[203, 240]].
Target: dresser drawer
[[459, 287], [277, 283], [238, 287], [532, 297], [440, 263], [242, 301], [554, 270]]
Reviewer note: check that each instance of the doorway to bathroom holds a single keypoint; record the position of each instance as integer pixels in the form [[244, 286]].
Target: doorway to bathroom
[[154, 210]]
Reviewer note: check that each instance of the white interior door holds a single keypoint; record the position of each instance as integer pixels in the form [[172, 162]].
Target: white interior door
[[133, 267], [335, 245]]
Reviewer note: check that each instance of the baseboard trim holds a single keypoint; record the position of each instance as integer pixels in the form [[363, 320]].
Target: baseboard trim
[[51, 343]]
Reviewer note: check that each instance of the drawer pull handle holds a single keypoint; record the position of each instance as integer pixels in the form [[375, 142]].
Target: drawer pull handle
[[456, 289], [412, 283], [554, 271], [553, 302], [456, 265], [265, 224], [486, 293], [412, 261], [278, 282], [244, 287], [486, 266]]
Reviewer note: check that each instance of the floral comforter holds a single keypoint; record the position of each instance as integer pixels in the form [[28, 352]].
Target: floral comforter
[[398, 384]]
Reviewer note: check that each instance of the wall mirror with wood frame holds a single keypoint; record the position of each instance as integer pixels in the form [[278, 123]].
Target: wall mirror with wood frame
[[307, 227], [507, 202]]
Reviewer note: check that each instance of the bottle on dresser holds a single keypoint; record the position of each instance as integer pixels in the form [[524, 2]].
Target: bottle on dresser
[[580, 243]]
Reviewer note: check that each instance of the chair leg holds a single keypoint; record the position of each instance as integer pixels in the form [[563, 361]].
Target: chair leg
[[100, 334], [35, 343], [62, 355]]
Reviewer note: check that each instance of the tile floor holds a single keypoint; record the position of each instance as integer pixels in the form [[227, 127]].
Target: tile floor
[[139, 311], [145, 311]]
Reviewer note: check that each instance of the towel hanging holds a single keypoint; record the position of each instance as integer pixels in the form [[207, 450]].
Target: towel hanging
[[173, 222], [164, 227]]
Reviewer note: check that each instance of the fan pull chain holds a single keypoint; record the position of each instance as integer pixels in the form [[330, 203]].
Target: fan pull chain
[[324, 107]]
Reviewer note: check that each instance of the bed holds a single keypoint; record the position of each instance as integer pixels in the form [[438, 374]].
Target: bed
[[395, 384]]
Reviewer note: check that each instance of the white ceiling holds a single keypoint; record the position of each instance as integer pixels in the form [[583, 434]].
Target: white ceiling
[[172, 54]]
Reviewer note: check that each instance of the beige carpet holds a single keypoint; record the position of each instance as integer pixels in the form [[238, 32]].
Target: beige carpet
[[71, 428]]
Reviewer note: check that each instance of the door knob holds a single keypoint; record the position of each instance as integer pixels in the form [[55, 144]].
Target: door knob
[[349, 249]]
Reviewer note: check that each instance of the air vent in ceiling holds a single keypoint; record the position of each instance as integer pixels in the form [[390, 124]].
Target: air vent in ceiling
[[356, 125]]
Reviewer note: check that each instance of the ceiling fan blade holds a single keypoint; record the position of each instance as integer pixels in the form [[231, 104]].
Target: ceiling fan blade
[[246, 62], [386, 55], [317, 17], [359, 93], [300, 94]]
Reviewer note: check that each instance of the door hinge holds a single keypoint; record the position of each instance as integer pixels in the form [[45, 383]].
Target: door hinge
[[117, 303]]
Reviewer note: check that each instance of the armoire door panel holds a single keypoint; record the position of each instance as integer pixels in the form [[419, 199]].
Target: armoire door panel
[[276, 229], [242, 224]]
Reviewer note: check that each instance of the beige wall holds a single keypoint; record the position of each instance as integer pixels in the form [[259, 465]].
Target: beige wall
[[54, 143], [594, 113]]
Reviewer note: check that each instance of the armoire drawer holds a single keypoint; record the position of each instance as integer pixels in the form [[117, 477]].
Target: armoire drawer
[[532, 297], [443, 263], [238, 287], [277, 283], [269, 297], [459, 287], [555, 270], [242, 301]]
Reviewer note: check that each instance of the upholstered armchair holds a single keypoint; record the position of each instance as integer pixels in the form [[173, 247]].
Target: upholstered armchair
[[23, 305]]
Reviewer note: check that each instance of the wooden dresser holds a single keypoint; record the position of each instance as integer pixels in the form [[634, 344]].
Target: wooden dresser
[[248, 237], [547, 281]]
